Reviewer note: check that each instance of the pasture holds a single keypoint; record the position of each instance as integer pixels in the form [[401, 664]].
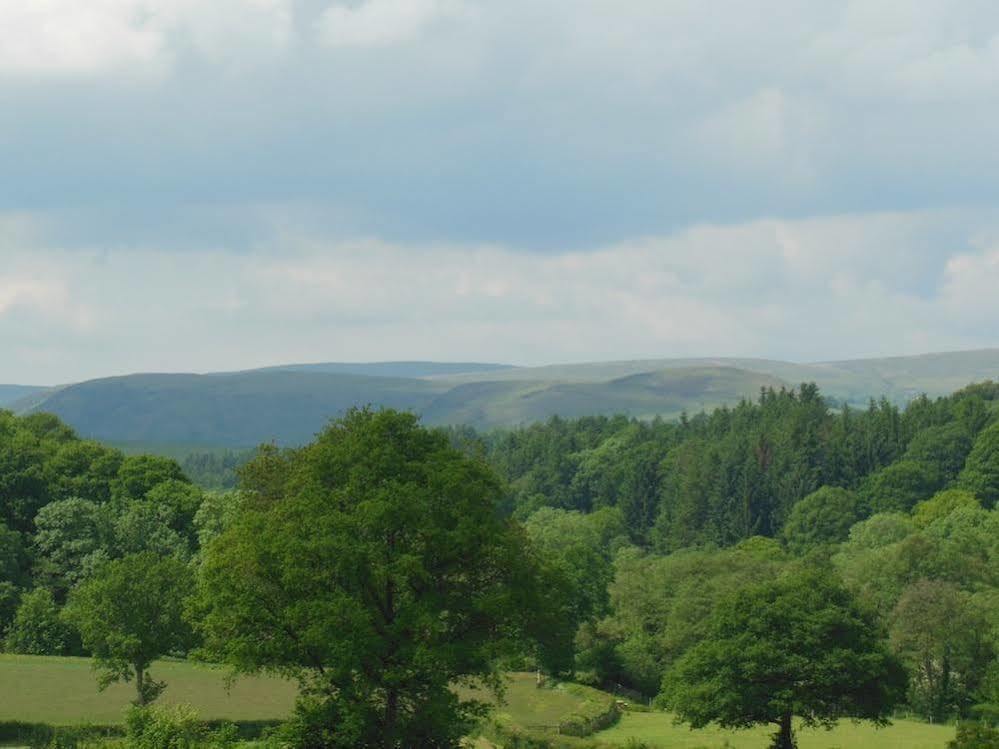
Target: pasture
[[63, 691], [659, 731]]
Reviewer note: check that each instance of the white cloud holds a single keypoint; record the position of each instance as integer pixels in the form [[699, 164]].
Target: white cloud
[[377, 23], [55, 38], [807, 290]]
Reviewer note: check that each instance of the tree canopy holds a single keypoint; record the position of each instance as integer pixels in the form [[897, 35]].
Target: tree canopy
[[374, 566], [797, 647]]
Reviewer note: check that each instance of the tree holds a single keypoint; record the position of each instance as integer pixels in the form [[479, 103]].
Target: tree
[[372, 565], [130, 613], [942, 638], [13, 572], [900, 486], [981, 471], [68, 533], [38, 628], [945, 446], [942, 504], [139, 474], [578, 546], [823, 517], [796, 647]]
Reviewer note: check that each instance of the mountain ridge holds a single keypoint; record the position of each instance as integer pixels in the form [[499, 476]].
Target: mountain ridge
[[288, 404]]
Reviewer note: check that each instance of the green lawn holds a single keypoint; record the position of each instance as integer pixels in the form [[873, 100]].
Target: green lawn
[[63, 691], [525, 705], [658, 730]]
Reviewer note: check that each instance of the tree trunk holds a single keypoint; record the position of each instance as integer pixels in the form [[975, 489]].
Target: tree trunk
[[784, 738], [391, 716], [140, 683]]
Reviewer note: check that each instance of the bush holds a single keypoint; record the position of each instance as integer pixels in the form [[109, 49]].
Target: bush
[[176, 727], [39, 629], [975, 736]]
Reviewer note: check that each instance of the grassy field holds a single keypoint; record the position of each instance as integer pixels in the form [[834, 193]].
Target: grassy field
[[658, 730], [526, 706], [63, 691]]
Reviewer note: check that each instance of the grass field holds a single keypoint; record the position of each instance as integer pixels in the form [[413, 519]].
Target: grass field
[[525, 705], [658, 730], [63, 691]]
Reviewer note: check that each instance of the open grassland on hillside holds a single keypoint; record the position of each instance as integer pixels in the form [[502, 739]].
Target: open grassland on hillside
[[63, 691], [657, 730]]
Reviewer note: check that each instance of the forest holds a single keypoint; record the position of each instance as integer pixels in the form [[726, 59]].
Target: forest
[[632, 556]]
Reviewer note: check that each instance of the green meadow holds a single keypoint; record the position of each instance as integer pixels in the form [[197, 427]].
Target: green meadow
[[63, 691], [658, 730]]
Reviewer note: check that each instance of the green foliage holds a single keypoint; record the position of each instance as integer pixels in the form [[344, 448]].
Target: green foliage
[[981, 471], [795, 647], [941, 636], [217, 512], [942, 504], [945, 447], [129, 613], [175, 727], [39, 629], [13, 572], [579, 547], [140, 474], [975, 736], [69, 533], [373, 566], [660, 607], [823, 517], [900, 486]]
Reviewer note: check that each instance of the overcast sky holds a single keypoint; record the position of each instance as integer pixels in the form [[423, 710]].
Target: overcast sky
[[192, 186]]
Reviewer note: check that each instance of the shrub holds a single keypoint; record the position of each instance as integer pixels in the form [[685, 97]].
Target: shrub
[[975, 736], [39, 629], [177, 727]]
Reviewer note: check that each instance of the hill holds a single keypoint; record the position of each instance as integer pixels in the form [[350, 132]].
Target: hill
[[12, 393], [290, 404], [392, 369], [234, 410]]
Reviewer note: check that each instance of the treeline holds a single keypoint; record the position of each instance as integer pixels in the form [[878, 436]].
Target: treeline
[[69, 507], [646, 541], [656, 524]]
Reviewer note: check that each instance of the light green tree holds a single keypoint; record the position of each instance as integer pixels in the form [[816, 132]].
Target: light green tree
[[129, 613]]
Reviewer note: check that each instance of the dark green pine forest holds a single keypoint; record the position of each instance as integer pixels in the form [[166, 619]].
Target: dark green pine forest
[[658, 544]]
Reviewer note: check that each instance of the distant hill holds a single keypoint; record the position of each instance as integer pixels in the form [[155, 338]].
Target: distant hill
[[290, 404], [416, 369], [236, 410], [10, 394]]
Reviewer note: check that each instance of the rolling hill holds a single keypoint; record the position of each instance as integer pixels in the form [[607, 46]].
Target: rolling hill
[[13, 393], [289, 404]]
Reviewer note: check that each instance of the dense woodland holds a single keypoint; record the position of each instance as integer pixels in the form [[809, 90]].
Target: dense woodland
[[646, 533]]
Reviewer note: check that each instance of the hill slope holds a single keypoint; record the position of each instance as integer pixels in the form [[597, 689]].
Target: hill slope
[[237, 410], [290, 404], [10, 394]]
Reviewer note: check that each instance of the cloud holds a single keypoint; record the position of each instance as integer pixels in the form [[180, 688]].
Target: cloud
[[58, 38], [378, 23], [813, 289]]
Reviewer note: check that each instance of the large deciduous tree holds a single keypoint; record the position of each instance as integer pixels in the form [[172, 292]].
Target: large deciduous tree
[[374, 567], [798, 647], [129, 613]]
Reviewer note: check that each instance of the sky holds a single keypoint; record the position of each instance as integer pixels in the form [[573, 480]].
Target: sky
[[199, 186]]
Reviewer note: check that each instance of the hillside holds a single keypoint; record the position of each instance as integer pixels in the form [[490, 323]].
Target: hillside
[[290, 404], [235, 410], [393, 368], [12, 393]]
